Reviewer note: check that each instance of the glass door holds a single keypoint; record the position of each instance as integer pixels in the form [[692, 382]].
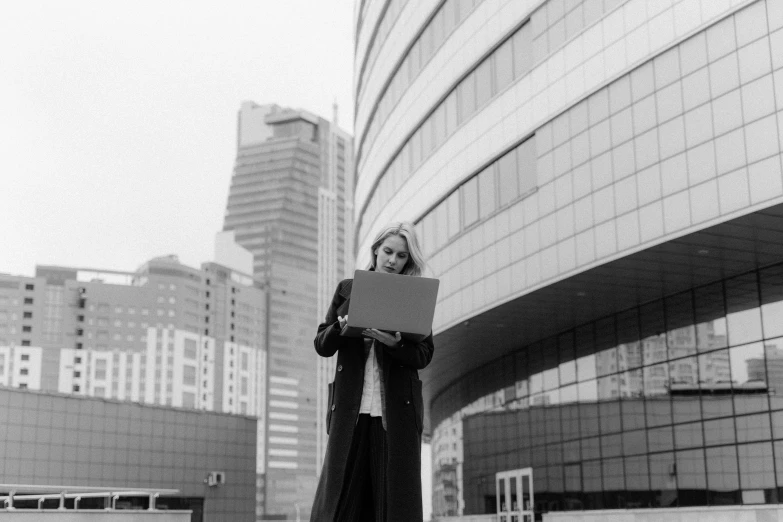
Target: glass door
[[514, 495]]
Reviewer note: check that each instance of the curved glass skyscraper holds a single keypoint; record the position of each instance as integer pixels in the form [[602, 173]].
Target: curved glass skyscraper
[[598, 186]]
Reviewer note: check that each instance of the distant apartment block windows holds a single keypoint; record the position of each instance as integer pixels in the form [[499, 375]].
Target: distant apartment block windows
[[189, 375], [24, 371], [22, 386], [27, 329], [27, 315], [28, 300], [29, 287], [100, 369], [25, 357], [25, 342]]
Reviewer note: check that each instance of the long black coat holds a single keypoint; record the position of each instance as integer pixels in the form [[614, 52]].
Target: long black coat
[[404, 414]]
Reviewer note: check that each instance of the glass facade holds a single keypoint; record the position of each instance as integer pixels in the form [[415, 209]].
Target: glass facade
[[674, 403], [550, 152]]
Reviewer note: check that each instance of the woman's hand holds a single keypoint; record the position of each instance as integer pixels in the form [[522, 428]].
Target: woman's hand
[[343, 320], [385, 338]]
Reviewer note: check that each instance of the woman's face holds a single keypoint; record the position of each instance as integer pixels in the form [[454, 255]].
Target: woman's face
[[392, 255]]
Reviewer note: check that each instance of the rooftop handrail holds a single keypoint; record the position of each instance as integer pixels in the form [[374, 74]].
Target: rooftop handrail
[[77, 493]]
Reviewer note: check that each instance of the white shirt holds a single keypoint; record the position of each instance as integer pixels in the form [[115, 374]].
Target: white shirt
[[371, 391]]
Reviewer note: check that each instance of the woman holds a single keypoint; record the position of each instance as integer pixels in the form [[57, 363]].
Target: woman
[[372, 468]]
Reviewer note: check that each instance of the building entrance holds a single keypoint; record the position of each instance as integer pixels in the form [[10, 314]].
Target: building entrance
[[514, 495]]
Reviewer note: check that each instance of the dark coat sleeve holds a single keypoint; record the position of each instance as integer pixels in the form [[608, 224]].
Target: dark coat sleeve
[[416, 355], [328, 339]]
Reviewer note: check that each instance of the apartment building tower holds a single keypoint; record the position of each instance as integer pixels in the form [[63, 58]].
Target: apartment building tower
[[290, 204]]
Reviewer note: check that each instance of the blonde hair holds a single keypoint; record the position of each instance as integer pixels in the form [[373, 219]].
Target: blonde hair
[[415, 264]]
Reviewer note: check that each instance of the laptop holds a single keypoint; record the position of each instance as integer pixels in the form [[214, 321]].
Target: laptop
[[392, 303]]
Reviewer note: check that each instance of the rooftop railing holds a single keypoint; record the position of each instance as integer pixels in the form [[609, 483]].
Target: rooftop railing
[[24, 493]]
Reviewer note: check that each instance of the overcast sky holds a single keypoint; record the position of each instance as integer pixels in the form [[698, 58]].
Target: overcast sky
[[118, 119]]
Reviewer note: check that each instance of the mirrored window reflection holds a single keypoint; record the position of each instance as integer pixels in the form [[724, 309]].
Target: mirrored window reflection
[[688, 435], [614, 479], [710, 318], [633, 414], [714, 372], [756, 464], [751, 428], [632, 384], [585, 368], [658, 411], [663, 479], [569, 393], [722, 475], [720, 431], [742, 307], [573, 478], [589, 419], [771, 282], [691, 477], [681, 334], [748, 376], [588, 391], [637, 474], [656, 380], [660, 439]]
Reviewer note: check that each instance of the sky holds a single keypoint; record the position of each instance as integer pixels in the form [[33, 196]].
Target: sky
[[118, 119]]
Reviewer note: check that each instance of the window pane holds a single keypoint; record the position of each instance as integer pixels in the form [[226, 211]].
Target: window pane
[[691, 477], [504, 66], [439, 125], [743, 312], [710, 317], [470, 201], [451, 113], [453, 213], [465, 7], [723, 475], [487, 191], [415, 56], [663, 478], [748, 376], [415, 143], [507, 172], [438, 24], [426, 44], [526, 166], [451, 16], [756, 466], [466, 91], [523, 50], [440, 228], [426, 138], [483, 83], [772, 301]]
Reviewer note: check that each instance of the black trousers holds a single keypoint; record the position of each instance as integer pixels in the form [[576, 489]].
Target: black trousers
[[363, 497]]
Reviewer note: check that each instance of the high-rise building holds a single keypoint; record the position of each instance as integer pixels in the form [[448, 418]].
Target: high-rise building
[[290, 204], [166, 335], [598, 187]]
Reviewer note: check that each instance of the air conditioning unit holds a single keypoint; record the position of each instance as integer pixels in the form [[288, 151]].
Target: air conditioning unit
[[215, 478]]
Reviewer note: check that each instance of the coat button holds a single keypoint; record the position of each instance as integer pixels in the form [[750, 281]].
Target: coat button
[[332, 407], [340, 368]]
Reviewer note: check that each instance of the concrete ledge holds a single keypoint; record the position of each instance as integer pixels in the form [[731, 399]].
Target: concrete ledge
[[93, 515], [769, 513]]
